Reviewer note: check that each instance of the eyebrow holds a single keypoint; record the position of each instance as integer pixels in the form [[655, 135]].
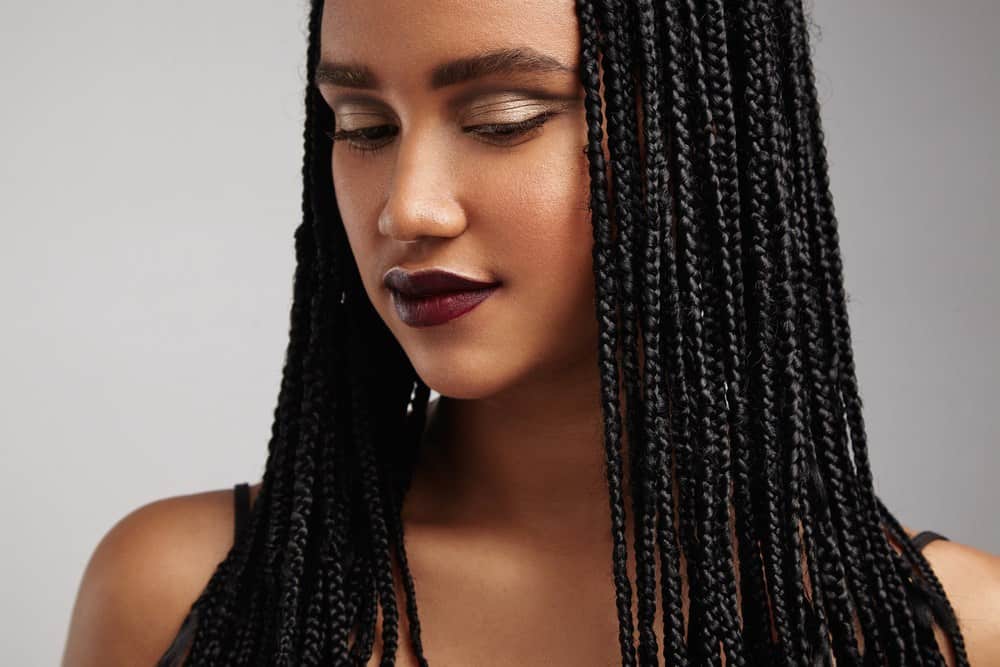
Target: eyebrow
[[518, 60]]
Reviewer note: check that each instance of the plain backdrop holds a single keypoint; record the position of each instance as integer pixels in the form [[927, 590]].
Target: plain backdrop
[[150, 172]]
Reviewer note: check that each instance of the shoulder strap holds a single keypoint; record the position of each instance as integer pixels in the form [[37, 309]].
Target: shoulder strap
[[181, 642], [924, 537], [241, 507]]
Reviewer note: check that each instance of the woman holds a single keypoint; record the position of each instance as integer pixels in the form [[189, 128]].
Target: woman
[[686, 472]]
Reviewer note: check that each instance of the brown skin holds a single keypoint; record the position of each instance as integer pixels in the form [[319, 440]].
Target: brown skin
[[151, 565], [501, 522]]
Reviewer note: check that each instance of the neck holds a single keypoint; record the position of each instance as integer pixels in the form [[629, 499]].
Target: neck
[[528, 462]]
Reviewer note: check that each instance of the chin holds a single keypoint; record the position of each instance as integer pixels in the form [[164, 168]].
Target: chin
[[462, 376]]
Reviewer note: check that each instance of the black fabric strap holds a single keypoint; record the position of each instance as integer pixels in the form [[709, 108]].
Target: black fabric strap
[[923, 538], [181, 642], [241, 507]]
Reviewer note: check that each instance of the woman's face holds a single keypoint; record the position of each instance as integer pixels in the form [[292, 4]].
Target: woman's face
[[441, 177]]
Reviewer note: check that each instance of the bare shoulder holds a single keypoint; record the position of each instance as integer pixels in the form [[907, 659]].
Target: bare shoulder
[[971, 579], [144, 575]]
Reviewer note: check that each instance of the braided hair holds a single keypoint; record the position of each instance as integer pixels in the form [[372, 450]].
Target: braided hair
[[715, 249]]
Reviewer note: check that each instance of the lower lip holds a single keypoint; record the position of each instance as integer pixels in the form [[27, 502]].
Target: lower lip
[[440, 308]]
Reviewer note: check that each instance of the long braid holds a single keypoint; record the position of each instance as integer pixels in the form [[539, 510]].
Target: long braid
[[812, 496], [713, 262], [941, 607], [674, 464], [792, 427], [692, 392], [606, 282], [754, 609], [373, 494], [875, 551], [417, 424], [304, 475], [619, 94], [657, 242], [719, 282], [829, 260], [834, 475], [758, 222], [827, 571], [328, 596], [313, 422], [869, 540]]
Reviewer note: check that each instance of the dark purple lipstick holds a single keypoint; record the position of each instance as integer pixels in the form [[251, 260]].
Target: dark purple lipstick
[[432, 296]]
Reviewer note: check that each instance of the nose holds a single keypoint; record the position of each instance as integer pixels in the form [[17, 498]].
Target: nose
[[422, 199]]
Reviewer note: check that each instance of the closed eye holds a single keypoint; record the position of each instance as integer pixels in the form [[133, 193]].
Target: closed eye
[[365, 139], [376, 137]]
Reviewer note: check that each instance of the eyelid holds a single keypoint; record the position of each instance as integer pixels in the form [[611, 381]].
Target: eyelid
[[483, 91], [479, 128], [499, 134], [360, 115], [473, 110], [511, 110]]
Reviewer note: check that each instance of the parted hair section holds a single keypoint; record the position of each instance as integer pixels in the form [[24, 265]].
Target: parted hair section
[[719, 288]]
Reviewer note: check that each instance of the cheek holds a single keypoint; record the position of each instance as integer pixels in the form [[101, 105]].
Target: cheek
[[553, 223], [545, 234]]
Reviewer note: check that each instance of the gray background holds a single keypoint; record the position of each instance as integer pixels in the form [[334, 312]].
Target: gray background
[[150, 187]]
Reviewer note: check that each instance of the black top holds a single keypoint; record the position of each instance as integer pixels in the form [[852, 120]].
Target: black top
[[241, 511]]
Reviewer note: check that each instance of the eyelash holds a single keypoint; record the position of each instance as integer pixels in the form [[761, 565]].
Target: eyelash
[[502, 130]]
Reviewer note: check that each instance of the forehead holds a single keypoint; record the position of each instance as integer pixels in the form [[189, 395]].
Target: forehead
[[402, 40]]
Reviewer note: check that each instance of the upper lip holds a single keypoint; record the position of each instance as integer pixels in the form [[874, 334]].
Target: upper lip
[[430, 281]]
